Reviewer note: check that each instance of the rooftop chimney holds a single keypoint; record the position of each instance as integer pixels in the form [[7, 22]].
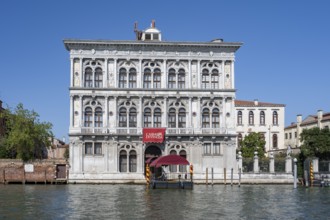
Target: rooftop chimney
[[256, 102], [319, 117], [153, 25]]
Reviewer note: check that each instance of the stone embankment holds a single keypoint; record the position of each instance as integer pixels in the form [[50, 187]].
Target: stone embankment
[[38, 171]]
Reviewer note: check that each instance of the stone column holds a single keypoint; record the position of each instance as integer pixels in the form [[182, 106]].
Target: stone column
[[140, 113], [223, 75], [115, 73], [199, 74], [199, 112], [106, 110], [223, 121], [71, 110], [232, 74], [164, 76], [82, 84], [71, 72], [316, 165], [271, 163], [81, 111], [240, 161], [71, 157], [256, 163], [288, 164], [115, 112], [190, 113], [105, 73], [106, 155], [165, 110], [189, 75], [140, 85]]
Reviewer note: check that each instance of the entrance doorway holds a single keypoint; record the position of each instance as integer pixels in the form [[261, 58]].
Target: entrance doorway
[[151, 153]]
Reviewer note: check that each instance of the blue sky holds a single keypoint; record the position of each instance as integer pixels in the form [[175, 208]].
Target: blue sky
[[285, 57]]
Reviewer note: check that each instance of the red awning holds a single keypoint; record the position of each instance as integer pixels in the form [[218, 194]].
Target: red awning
[[153, 135], [169, 160]]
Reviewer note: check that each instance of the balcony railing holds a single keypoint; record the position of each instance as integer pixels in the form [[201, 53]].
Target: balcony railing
[[138, 131]]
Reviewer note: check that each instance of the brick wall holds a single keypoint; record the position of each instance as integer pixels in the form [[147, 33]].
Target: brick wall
[[44, 171]]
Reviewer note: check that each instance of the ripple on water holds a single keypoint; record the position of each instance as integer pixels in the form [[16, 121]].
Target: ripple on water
[[136, 202]]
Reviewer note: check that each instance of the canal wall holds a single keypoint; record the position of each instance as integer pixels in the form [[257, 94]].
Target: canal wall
[[38, 171]]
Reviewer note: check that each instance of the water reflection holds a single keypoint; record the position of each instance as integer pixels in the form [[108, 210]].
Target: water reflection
[[136, 202]]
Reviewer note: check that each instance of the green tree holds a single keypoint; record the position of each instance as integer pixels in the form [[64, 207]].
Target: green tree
[[251, 143], [26, 137], [315, 143]]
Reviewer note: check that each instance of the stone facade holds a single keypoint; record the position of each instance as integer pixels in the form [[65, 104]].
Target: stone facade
[[119, 87], [264, 118], [293, 131]]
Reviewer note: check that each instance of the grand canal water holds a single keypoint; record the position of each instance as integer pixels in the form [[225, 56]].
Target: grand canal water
[[135, 202]]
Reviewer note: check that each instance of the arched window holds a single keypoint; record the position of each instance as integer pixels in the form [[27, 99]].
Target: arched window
[[182, 118], [132, 118], [98, 117], [275, 141], [132, 161], [215, 79], [122, 161], [181, 79], [171, 79], [173, 168], [275, 118], [157, 78], [183, 168], [98, 78], [172, 118], [147, 79], [251, 118], [262, 118], [205, 79], [122, 78], [239, 118], [215, 118], [88, 77], [132, 78], [147, 117], [157, 118], [122, 117], [206, 118], [88, 117]]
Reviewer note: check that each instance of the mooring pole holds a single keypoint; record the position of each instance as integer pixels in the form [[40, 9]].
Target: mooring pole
[[239, 177], [231, 176], [212, 175], [306, 178], [207, 176], [224, 176], [295, 173]]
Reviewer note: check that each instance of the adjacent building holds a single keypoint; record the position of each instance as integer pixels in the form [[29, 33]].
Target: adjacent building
[[264, 118], [293, 131], [131, 100]]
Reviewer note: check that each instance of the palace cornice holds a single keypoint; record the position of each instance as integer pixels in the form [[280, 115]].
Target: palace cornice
[[93, 90], [102, 44]]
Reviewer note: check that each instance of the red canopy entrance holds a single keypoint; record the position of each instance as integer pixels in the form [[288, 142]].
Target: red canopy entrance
[[169, 160]]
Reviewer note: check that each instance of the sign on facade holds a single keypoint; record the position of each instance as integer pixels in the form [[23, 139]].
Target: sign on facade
[[153, 135], [29, 168]]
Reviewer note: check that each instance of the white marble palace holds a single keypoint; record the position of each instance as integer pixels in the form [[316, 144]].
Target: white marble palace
[[132, 100]]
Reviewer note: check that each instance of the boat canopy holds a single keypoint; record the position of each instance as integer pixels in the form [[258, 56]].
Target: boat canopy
[[169, 160]]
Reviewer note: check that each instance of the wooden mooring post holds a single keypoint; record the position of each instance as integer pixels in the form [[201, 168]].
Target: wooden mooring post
[[224, 176], [207, 176]]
